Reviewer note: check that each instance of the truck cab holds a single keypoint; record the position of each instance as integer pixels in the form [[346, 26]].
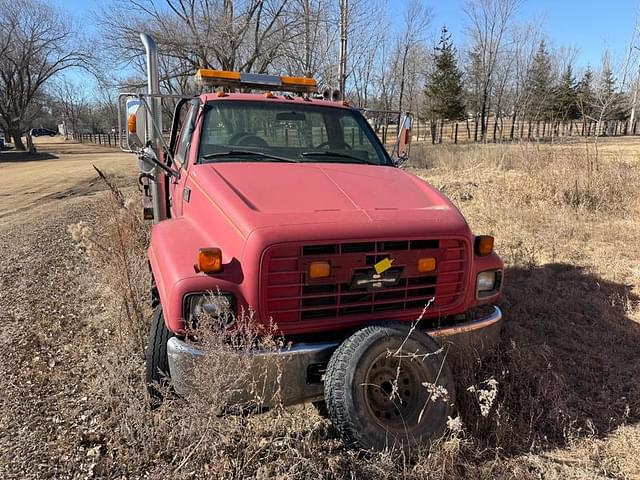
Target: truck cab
[[286, 204]]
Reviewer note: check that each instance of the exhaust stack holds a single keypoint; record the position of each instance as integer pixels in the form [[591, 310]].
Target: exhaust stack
[[154, 123]]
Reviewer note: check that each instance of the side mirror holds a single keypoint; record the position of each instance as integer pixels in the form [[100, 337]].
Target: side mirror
[[136, 123], [400, 153]]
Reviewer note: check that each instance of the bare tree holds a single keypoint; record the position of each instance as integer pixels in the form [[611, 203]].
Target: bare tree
[[524, 41], [40, 46], [39, 41], [489, 21], [311, 42], [230, 34], [73, 101], [417, 18]]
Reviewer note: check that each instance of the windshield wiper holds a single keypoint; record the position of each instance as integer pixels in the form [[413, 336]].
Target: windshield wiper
[[329, 153], [243, 153]]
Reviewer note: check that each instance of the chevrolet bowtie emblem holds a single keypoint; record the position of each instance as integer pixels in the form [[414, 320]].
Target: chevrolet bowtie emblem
[[383, 265]]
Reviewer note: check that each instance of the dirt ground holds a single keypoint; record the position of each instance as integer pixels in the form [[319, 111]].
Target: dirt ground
[[42, 322], [572, 300], [58, 171]]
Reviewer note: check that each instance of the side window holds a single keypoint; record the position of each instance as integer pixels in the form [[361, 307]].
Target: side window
[[184, 140], [354, 136]]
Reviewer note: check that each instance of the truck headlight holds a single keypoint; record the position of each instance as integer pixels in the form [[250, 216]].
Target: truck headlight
[[488, 283], [218, 307]]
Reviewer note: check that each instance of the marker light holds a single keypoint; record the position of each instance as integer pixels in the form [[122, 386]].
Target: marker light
[[223, 78], [407, 136], [210, 260], [131, 123], [319, 269], [426, 265], [484, 245]]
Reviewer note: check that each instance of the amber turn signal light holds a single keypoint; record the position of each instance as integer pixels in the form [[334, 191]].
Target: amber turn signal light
[[319, 269], [131, 123], [484, 245], [210, 260], [426, 265]]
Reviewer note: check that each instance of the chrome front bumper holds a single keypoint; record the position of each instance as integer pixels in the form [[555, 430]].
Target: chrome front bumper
[[285, 373]]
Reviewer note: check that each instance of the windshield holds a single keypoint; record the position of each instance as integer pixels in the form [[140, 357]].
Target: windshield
[[287, 132]]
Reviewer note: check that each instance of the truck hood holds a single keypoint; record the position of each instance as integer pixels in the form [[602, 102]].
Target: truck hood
[[257, 195]]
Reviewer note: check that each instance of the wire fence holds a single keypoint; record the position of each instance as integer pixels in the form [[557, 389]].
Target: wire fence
[[506, 130], [461, 132], [106, 139]]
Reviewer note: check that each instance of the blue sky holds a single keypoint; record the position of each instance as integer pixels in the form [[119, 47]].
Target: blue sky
[[591, 26]]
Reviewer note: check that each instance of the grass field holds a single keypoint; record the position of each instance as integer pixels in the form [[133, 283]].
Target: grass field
[[567, 401]]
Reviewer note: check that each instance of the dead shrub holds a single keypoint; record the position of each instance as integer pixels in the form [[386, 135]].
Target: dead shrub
[[554, 175], [533, 389]]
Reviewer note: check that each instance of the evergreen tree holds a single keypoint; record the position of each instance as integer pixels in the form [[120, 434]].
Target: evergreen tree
[[566, 97], [611, 103], [444, 84], [585, 98], [540, 85]]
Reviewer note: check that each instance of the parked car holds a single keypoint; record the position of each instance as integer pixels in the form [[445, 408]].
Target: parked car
[[41, 132], [2, 144]]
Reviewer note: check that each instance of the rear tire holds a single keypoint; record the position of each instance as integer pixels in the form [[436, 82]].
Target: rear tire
[[157, 373], [377, 399]]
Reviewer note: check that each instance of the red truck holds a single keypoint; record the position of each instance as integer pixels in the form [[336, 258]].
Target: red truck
[[285, 203]]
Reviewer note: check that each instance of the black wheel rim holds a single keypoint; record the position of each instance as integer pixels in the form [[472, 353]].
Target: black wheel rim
[[394, 394]]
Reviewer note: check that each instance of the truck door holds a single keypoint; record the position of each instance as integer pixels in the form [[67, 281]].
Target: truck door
[[180, 146]]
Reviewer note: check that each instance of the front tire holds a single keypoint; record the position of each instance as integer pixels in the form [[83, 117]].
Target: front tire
[[375, 388], [157, 373]]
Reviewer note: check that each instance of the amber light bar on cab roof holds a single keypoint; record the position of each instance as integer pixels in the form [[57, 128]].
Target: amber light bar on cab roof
[[259, 81]]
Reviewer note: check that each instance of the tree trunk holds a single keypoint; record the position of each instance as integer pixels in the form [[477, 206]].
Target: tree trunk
[[30, 146], [16, 136]]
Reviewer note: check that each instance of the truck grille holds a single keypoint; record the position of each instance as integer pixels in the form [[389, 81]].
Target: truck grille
[[288, 295]]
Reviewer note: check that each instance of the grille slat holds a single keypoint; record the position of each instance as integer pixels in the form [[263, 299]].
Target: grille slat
[[382, 291], [424, 298], [287, 295]]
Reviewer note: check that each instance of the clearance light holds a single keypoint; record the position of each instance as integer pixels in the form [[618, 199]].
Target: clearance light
[[484, 245], [223, 78], [131, 123], [426, 265], [210, 260], [319, 269]]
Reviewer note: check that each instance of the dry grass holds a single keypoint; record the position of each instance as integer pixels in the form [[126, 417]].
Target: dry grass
[[558, 399]]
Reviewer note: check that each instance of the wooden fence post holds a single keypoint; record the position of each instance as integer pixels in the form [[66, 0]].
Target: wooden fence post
[[441, 129], [455, 140]]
